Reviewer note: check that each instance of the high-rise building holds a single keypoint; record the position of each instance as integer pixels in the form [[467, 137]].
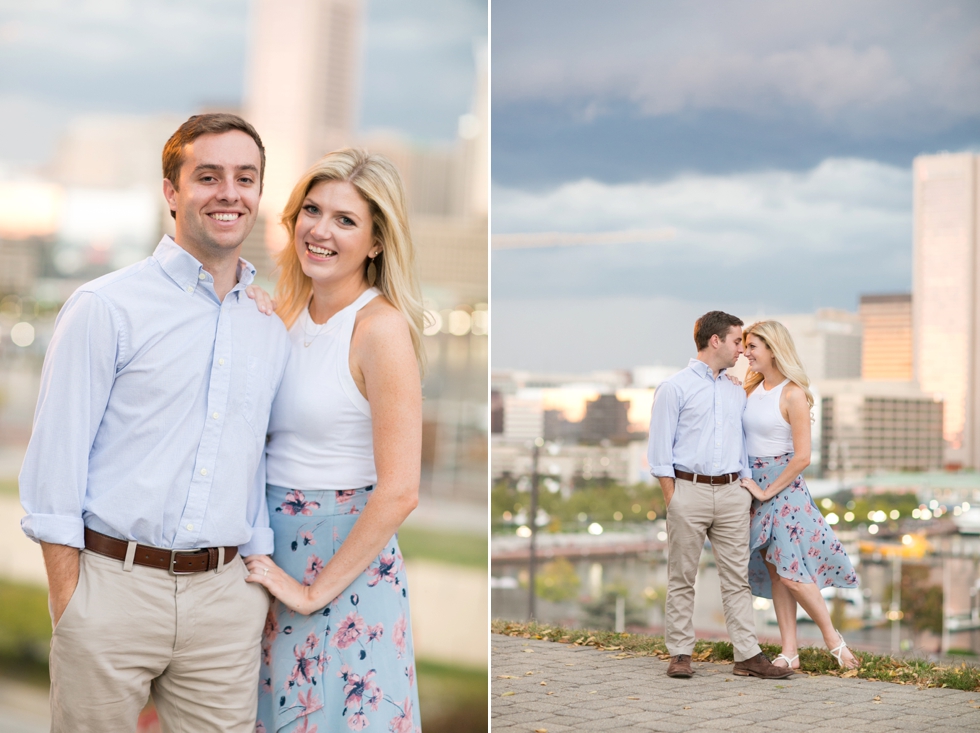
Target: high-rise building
[[301, 89], [946, 297], [866, 426], [606, 418], [886, 350]]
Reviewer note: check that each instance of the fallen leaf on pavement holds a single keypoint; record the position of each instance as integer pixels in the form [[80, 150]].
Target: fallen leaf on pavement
[[508, 693], [850, 673]]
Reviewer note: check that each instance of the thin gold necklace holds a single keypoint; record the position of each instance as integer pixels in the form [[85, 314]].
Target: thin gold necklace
[[309, 339]]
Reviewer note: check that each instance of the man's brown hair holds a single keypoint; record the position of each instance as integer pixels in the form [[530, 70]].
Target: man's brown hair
[[713, 323], [214, 123]]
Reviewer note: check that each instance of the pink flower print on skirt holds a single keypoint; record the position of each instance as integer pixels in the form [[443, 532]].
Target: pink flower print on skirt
[[789, 532], [336, 669]]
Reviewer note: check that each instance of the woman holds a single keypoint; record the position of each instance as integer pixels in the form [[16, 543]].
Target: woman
[[794, 552], [343, 458]]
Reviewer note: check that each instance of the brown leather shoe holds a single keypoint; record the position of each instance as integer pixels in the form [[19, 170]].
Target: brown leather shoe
[[760, 666], [680, 666]]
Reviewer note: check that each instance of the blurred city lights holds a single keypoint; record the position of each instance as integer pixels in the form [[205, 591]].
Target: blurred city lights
[[894, 514], [636, 508], [481, 320], [826, 503], [651, 515], [907, 539], [915, 513], [523, 531], [22, 334], [662, 536], [832, 518], [595, 528], [582, 516], [848, 516], [873, 529], [459, 323], [618, 516]]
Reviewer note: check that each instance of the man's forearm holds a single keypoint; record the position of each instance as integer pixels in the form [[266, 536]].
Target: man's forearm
[[667, 486], [61, 562]]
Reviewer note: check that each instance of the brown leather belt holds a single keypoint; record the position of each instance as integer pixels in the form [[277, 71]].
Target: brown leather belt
[[176, 562], [727, 478]]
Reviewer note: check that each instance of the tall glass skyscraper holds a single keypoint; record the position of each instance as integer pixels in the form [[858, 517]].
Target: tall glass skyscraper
[[946, 297]]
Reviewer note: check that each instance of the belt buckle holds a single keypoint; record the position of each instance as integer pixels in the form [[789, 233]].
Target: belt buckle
[[173, 559]]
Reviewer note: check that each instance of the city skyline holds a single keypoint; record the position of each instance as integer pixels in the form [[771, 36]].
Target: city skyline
[[776, 145], [63, 60]]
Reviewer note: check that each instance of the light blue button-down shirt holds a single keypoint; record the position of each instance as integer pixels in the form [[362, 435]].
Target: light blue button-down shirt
[[696, 425], [152, 416]]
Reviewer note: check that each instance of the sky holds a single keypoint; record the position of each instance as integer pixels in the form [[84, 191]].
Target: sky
[[769, 145], [63, 58]]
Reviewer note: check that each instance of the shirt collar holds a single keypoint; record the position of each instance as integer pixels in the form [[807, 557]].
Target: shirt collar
[[703, 370], [185, 270]]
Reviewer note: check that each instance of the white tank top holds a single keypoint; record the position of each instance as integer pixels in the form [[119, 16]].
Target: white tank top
[[320, 425], [766, 431]]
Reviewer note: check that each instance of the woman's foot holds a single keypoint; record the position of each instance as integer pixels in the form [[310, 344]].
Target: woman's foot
[[840, 652], [783, 660]]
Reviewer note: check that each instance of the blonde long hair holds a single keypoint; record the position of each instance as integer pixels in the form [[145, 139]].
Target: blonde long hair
[[377, 180], [784, 357]]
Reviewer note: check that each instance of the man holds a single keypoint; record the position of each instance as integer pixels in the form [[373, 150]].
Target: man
[[142, 479], [697, 451]]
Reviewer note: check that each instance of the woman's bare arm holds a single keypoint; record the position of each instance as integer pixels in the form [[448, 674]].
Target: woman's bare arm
[[382, 352]]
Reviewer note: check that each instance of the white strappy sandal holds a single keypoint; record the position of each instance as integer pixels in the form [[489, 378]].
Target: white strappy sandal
[[789, 660], [838, 652]]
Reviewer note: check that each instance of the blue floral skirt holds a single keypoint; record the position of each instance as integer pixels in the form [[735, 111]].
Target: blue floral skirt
[[791, 534], [350, 665]]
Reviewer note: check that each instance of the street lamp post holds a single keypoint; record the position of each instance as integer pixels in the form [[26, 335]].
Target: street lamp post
[[533, 524]]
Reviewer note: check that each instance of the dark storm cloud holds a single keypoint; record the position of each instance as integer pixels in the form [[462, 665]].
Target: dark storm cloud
[[727, 86], [537, 144]]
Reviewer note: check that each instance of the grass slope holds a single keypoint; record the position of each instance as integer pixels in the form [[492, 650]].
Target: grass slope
[[813, 661]]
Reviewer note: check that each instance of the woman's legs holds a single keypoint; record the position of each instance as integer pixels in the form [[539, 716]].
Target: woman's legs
[[808, 596], [784, 604]]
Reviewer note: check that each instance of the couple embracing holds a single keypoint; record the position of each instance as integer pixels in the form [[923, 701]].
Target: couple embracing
[[729, 459], [194, 453]]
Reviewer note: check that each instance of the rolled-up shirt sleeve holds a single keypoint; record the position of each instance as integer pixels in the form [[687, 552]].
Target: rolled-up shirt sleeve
[[76, 380], [663, 428]]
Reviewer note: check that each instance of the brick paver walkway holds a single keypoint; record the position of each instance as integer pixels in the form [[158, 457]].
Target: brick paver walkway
[[542, 685]]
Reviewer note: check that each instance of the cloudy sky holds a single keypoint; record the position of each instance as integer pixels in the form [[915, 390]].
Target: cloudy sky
[[768, 144], [61, 58]]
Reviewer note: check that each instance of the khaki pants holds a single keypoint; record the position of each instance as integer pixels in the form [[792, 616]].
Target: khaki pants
[[721, 513], [192, 641]]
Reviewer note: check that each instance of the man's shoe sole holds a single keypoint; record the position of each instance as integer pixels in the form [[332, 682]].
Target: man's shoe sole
[[680, 675], [748, 673]]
